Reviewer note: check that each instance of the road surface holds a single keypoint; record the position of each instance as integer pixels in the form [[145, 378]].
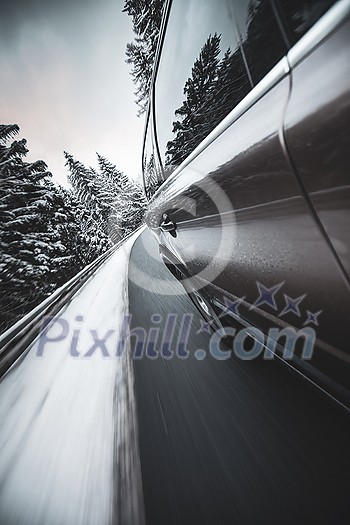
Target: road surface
[[90, 436], [230, 442]]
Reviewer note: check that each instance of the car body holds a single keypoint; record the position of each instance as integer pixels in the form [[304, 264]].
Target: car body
[[246, 165]]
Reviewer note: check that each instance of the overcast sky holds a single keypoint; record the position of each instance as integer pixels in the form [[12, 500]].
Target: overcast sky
[[65, 82]]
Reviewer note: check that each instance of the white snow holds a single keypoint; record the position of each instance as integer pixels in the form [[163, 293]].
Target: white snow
[[68, 436]]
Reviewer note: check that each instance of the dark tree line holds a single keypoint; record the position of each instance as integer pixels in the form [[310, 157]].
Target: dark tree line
[[214, 88], [146, 19], [216, 85], [42, 242], [219, 80], [49, 233]]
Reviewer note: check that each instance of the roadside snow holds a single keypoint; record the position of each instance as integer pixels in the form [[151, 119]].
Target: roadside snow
[[68, 433]]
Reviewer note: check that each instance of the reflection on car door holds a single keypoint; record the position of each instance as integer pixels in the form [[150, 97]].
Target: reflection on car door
[[276, 259]]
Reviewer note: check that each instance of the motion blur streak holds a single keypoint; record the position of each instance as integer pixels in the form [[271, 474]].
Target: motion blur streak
[[68, 439], [229, 442]]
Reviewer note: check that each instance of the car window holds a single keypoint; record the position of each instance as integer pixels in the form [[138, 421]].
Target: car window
[[201, 76], [300, 15], [151, 172], [263, 43]]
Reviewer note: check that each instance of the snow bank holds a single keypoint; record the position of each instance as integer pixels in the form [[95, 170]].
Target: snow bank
[[68, 436]]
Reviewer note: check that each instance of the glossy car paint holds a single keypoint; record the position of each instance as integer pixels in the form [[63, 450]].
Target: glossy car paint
[[286, 199], [321, 152]]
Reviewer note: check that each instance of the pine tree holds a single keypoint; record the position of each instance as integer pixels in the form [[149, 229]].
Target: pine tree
[[230, 88], [260, 46], [115, 203], [128, 210], [82, 236], [39, 237], [196, 111], [113, 179], [213, 90], [124, 197], [87, 190], [25, 243], [146, 16], [154, 178]]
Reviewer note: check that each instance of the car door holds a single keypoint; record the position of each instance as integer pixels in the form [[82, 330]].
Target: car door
[[321, 94], [251, 236]]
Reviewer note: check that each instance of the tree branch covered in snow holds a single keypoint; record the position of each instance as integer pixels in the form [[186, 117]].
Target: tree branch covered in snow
[[146, 17], [44, 237], [112, 201]]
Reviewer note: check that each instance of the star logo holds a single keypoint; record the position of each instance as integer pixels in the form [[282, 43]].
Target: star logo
[[267, 295], [204, 327], [292, 305], [312, 317], [232, 307]]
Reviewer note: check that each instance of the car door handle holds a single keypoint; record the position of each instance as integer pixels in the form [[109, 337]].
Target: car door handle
[[167, 225]]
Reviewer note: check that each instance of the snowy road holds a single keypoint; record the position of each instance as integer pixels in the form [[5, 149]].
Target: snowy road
[[218, 442], [68, 438]]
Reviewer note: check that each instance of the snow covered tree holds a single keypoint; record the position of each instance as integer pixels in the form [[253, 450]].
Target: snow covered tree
[[123, 197], [86, 187], [110, 180], [146, 17], [128, 210], [39, 235], [82, 180], [83, 237], [153, 177], [111, 199]]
